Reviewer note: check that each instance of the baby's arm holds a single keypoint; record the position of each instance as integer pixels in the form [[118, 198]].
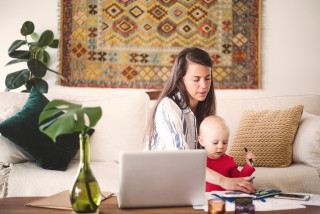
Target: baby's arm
[[249, 155], [234, 172], [245, 172], [247, 169]]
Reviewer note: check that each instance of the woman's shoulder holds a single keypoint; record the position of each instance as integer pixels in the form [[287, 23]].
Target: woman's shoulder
[[168, 104]]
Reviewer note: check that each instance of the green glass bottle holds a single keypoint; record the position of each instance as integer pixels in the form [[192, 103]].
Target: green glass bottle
[[85, 195]]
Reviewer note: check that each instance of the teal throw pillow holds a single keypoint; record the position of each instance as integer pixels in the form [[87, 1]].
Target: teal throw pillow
[[23, 130]]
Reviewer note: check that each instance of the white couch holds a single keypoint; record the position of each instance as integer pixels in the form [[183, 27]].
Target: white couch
[[121, 128], [303, 175], [125, 117]]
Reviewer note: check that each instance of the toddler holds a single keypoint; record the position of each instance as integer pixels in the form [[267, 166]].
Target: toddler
[[214, 136]]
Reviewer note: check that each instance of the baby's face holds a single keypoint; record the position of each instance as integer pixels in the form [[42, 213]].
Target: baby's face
[[215, 141]]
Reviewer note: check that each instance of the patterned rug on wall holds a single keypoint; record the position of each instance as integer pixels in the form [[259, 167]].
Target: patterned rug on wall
[[133, 43]]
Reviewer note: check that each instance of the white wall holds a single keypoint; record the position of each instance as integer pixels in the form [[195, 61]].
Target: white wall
[[290, 43]]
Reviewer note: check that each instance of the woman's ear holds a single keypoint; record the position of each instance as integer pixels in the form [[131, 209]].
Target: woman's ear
[[200, 138]]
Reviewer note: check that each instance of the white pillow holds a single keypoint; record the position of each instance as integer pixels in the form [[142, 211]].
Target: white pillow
[[306, 146], [122, 125], [9, 152], [9, 112]]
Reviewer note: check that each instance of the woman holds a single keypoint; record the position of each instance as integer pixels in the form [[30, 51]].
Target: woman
[[186, 100]]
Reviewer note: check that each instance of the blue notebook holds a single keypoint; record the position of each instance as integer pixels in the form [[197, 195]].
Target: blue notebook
[[232, 195]]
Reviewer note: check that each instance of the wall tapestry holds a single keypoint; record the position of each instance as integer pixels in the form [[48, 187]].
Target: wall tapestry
[[133, 43]]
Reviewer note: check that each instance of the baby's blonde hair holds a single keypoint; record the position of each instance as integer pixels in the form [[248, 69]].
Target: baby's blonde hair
[[212, 118]]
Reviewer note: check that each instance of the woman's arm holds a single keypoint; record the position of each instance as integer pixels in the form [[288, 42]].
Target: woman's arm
[[240, 184], [169, 127]]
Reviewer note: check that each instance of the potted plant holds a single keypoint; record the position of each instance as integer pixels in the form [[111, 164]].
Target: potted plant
[[62, 117], [36, 57]]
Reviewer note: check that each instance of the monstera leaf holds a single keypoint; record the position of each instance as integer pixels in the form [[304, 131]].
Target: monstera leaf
[[62, 117]]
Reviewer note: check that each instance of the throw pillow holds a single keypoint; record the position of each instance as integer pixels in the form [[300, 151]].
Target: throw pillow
[[23, 130], [306, 146], [268, 134], [9, 152]]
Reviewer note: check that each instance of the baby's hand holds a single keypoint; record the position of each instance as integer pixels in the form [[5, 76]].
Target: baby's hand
[[249, 155]]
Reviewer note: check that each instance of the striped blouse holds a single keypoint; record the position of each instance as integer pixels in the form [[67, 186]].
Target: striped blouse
[[174, 128]]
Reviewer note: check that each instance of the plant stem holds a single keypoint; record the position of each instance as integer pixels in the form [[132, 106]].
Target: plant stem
[[25, 37]]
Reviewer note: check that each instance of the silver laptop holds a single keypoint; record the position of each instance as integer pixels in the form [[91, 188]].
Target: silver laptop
[[162, 178]]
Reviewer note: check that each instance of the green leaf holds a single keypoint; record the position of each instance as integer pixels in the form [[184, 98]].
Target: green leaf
[[16, 61], [40, 56], [27, 28], [94, 114], [35, 36], [54, 43], [16, 79], [60, 125], [15, 45], [49, 113], [54, 125], [62, 104], [34, 44], [35, 50], [73, 119], [20, 54], [46, 58], [40, 84], [46, 38], [37, 68]]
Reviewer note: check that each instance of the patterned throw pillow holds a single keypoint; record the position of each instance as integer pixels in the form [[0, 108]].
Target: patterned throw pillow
[[268, 134]]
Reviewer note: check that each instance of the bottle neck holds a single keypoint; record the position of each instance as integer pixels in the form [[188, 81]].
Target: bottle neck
[[84, 151]]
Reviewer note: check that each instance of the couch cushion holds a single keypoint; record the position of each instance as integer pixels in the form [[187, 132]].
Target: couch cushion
[[122, 128], [10, 153], [306, 146], [231, 108], [42, 182], [123, 122], [23, 130], [268, 134], [295, 178]]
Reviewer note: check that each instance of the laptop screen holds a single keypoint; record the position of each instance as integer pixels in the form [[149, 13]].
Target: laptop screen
[[162, 178]]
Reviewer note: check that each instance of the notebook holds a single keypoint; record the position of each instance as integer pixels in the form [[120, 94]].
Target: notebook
[[162, 178], [260, 193]]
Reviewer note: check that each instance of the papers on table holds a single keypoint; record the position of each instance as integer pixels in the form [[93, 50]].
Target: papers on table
[[260, 193], [60, 201], [270, 203]]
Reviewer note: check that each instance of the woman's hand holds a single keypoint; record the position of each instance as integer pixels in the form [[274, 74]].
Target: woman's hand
[[239, 184]]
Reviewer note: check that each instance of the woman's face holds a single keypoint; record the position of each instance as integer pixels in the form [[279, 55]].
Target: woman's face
[[197, 81]]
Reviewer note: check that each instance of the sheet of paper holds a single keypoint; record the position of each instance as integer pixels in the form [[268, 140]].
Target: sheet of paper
[[314, 200], [271, 203], [274, 204], [59, 201]]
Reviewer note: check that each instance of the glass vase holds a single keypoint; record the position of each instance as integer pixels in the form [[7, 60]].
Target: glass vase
[[85, 194]]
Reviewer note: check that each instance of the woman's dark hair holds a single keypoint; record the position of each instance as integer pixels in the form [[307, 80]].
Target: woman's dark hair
[[175, 84]]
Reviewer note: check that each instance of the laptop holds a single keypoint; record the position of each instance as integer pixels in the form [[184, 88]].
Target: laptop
[[162, 178]]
